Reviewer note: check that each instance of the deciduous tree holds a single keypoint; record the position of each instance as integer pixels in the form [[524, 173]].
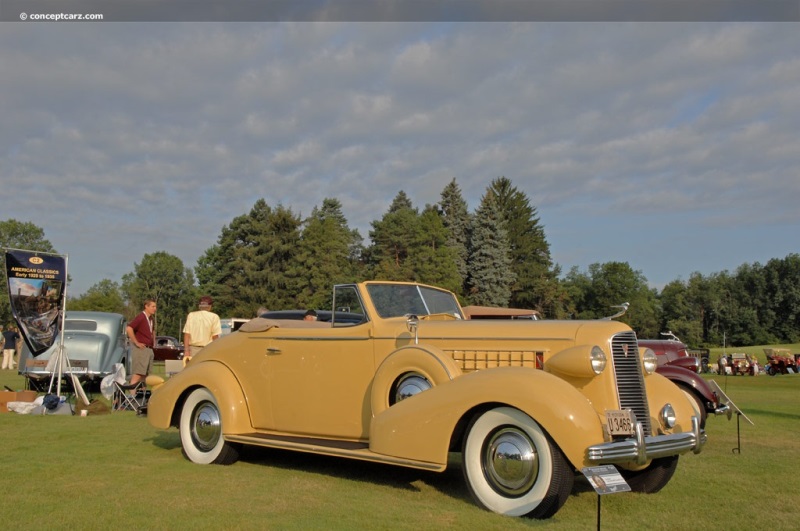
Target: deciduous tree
[[105, 296], [162, 277], [18, 235]]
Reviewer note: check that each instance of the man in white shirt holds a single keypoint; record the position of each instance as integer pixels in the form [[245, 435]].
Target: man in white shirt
[[202, 327]]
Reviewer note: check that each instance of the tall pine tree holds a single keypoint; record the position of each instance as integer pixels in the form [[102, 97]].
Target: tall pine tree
[[328, 254], [251, 263], [536, 284], [457, 220], [393, 240], [490, 275]]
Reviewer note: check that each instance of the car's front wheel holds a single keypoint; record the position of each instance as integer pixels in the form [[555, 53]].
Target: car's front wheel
[[653, 478], [201, 431], [512, 467]]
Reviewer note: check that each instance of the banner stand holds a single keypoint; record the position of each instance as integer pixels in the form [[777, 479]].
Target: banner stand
[[60, 353], [37, 290]]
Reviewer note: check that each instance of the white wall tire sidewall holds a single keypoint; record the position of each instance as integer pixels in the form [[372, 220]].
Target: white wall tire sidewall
[[472, 461], [192, 452]]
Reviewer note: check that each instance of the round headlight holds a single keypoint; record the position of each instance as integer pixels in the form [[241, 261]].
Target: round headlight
[[668, 417], [598, 360], [649, 361]]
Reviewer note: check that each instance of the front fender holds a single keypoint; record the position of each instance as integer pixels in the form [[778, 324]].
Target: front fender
[[421, 427], [660, 391], [165, 403], [687, 377]]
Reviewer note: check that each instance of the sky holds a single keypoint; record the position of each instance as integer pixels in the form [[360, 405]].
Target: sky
[[673, 146]]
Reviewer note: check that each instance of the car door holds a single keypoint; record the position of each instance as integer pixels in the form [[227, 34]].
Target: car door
[[317, 382]]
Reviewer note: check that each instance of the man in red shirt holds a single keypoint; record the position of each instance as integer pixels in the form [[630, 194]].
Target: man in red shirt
[[140, 332]]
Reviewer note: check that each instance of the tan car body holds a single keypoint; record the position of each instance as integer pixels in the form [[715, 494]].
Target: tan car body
[[328, 389]]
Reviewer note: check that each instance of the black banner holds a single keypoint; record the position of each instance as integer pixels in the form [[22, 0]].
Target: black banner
[[36, 283]]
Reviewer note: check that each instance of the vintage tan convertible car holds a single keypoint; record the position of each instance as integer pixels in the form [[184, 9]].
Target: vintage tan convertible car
[[527, 403]]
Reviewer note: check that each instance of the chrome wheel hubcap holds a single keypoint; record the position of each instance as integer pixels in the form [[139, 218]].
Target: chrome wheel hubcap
[[510, 462], [409, 386], [206, 424]]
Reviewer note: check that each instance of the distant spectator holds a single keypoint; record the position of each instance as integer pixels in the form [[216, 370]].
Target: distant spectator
[[310, 315], [10, 338], [202, 327]]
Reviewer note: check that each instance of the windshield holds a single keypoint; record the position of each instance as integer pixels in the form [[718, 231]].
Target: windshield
[[397, 300]]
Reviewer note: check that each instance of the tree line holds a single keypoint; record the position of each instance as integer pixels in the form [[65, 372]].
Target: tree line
[[497, 255]]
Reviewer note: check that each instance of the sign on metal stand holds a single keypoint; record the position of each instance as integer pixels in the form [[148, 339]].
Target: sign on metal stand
[[605, 479], [732, 408]]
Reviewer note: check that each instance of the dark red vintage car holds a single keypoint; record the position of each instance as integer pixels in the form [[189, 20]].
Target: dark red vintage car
[[167, 348], [681, 368], [672, 352]]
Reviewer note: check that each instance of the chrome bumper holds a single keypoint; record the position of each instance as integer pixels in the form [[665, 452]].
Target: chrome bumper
[[641, 449]]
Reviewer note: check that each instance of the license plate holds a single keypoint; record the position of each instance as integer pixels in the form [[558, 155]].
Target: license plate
[[619, 421]]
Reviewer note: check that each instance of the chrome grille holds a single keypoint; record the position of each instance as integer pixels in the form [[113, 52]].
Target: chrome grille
[[630, 380]]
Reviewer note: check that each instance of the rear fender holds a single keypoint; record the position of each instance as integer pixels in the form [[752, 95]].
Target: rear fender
[[421, 427], [164, 406]]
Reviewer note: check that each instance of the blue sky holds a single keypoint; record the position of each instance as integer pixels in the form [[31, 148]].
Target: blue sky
[[671, 146]]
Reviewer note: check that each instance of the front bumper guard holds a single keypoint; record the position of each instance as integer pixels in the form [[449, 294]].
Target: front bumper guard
[[723, 409], [641, 449]]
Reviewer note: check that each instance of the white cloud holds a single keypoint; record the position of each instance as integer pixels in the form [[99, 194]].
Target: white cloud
[[125, 139]]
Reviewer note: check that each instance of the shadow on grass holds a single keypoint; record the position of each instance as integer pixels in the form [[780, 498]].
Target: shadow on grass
[[775, 414], [450, 482], [166, 440]]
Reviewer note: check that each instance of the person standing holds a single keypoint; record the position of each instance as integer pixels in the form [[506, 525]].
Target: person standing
[[140, 332], [201, 328], [10, 338]]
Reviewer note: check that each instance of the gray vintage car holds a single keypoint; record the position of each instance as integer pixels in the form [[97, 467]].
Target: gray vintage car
[[93, 343]]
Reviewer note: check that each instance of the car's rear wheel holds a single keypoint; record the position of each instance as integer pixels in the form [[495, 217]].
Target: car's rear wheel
[[653, 478], [201, 431], [512, 467]]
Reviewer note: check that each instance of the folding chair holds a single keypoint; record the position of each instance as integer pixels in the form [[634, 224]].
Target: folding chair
[[123, 396], [129, 397]]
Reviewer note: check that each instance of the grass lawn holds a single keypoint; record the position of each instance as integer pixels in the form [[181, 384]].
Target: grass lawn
[[95, 472]]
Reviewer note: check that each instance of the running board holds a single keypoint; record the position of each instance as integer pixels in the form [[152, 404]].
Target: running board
[[336, 448]]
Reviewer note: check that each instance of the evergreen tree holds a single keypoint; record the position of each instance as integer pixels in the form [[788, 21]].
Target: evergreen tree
[[432, 260], [252, 263], [393, 239], [490, 274], [456, 219], [536, 283], [328, 254]]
